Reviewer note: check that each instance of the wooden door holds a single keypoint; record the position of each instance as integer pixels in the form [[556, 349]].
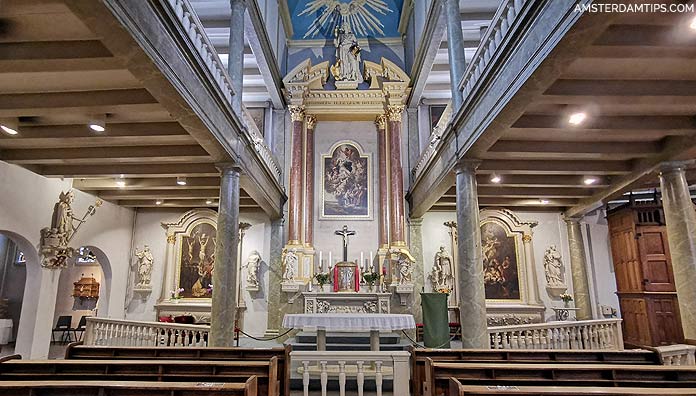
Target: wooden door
[[664, 317], [655, 259]]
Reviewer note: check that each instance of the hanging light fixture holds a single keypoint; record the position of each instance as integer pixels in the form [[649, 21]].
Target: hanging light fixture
[[10, 126]]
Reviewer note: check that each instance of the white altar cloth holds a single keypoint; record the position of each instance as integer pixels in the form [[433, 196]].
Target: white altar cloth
[[350, 322]]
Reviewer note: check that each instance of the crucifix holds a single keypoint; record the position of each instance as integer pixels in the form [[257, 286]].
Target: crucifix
[[345, 233]]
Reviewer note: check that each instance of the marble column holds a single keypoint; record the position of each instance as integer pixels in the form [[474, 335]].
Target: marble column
[[381, 123], [455, 49], [533, 285], [311, 122], [418, 277], [414, 150], [275, 276], [235, 62], [297, 115], [471, 292], [396, 179], [224, 305], [680, 218], [578, 268]]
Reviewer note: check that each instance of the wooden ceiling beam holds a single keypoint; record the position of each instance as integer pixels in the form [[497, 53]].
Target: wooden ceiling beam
[[557, 167], [680, 124], [180, 203], [638, 52], [556, 181], [182, 193], [107, 155], [47, 50], [513, 149], [111, 97], [531, 192], [129, 170], [165, 183], [499, 201]]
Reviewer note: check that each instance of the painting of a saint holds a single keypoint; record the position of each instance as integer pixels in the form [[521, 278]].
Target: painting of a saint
[[500, 269], [346, 183], [197, 261]]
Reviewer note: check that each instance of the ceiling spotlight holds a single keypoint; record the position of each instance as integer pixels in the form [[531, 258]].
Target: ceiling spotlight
[[10, 127], [208, 201], [120, 182], [158, 202], [577, 118], [589, 180], [693, 23], [544, 201], [495, 179], [181, 181]]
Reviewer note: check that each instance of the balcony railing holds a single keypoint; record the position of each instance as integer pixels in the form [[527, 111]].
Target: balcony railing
[[195, 31], [571, 335], [118, 332], [435, 142]]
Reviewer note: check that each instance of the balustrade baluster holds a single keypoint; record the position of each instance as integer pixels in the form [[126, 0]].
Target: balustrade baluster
[[378, 377], [305, 377], [324, 377], [360, 378], [586, 338], [342, 378]]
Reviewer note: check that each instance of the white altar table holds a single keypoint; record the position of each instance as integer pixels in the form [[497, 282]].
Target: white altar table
[[350, 322]]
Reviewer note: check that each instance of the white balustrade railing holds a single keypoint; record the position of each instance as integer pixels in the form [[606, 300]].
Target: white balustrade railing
[[574, 335], [435, 142], [195, 31], [677, 355], [354, 365], [118, 332], [259, 144]]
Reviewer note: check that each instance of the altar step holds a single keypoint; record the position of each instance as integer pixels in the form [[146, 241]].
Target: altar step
[[348, 341]]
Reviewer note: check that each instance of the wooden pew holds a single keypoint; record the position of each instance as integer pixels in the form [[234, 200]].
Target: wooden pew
[[127, 388], [79, 351], [145, 370], [534, 374], [457, 389], [419, 356]]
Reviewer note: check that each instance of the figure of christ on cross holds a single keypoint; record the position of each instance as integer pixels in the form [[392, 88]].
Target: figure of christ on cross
[[345, 233]]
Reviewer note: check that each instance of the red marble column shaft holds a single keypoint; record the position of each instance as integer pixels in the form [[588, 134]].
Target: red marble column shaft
[[295, 210], [394, 113], [309, 181], [381, 123]]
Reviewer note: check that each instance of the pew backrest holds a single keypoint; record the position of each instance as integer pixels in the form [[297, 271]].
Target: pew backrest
[[246, 387]]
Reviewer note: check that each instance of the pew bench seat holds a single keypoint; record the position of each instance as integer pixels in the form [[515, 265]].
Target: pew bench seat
[[247, 387], [457, 389]]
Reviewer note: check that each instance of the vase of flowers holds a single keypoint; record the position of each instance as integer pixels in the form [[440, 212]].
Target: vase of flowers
[[567, 298], [371, 278], [444, 290], [176, 294], [322, 279]]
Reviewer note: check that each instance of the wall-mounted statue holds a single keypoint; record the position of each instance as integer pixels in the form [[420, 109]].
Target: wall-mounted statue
[[54, 247], [553, 267], [252, 267], [145, 262], [441, 276], [347, 66], [289, 260]]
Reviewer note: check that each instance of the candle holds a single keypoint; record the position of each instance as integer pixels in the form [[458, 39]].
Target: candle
[[321, 262], [330, 260], [362, 261]]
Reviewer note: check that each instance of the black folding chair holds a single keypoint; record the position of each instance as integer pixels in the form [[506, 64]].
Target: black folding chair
[[81, 327], [64, 326]]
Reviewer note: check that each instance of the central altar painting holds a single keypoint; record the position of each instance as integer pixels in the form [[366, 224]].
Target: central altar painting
[[500, 268], [196, 261], [346, 183]]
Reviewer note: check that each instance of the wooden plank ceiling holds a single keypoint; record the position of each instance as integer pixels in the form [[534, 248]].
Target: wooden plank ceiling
[[636, 84], [55, 77]]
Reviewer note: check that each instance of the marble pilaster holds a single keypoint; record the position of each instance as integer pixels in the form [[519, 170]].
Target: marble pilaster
[[275, 276], [471, 292], [680, 218], [381, 123], [396, 179], [235, 62], [578, 269], [416, 249], [297, 115], [224, 301], [533, 286], [414, 150], [311, 122], [455, 49]]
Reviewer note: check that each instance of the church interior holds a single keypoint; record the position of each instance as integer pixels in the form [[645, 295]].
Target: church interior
[[347, 197]]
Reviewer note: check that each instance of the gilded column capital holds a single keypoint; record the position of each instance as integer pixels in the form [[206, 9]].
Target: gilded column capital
[[311, 121], [297, 113], [527, 238], [171, 239], [395, 112], [381, 122]]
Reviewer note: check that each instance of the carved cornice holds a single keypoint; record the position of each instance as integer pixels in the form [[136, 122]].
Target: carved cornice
[[381, 122], [395, 112], [297, 113], [311, 121]]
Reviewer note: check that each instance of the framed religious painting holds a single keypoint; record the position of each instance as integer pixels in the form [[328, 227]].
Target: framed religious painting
[[501, 270], [346, 182], [197, 261]]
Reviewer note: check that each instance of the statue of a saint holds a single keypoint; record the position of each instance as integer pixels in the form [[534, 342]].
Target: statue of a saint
[[347, 66], [145, 261], [441, 275], [553, 267], [289, 260], [252, 267], [63, 218]]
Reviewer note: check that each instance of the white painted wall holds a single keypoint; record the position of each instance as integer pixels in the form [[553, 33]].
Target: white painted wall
[[27, 206], [551, 230]]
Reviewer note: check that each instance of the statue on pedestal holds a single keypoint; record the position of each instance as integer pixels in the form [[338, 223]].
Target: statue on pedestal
[[441, 276], [347, 66], [145, 262], [252, 267], [289, 260], [553, 267]]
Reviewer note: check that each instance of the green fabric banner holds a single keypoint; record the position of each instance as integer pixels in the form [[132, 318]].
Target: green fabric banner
[[435, 320]]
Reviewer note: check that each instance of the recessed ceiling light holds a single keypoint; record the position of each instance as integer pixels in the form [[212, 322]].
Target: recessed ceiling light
[[577, 118], [97, 124], [10, 127], [589, 180], [693, 23], [181, 181], [544, 201], [8, 130], [158, 202], [208, 201], [120, 182], [495, 179]]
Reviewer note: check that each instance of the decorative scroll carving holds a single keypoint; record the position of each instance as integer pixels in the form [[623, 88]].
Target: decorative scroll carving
[[324, 306]]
